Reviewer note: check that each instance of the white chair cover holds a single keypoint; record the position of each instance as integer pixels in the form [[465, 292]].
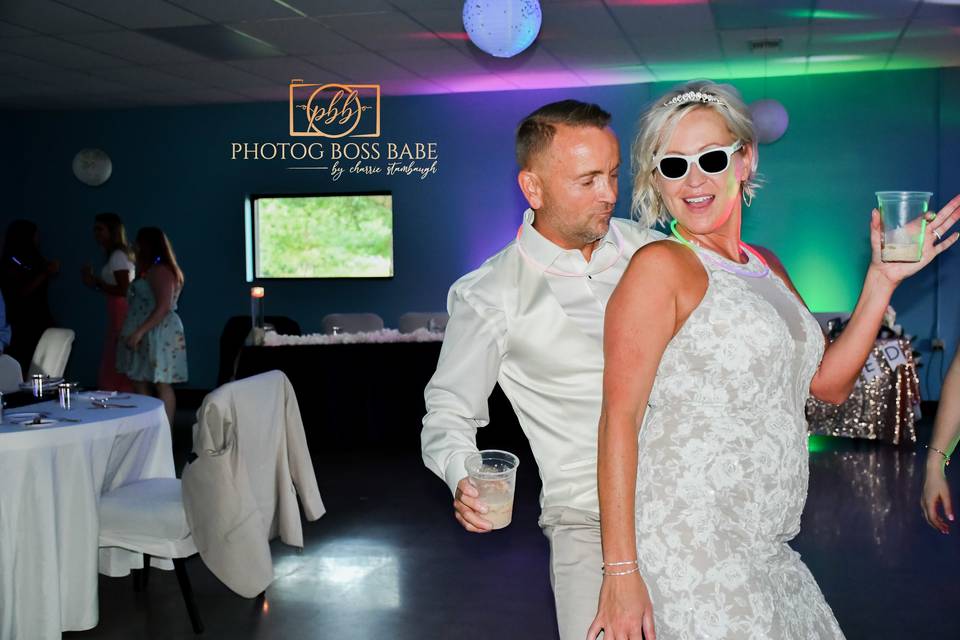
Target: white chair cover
[[146, 516], [352, 322], [10, 374], [413, 320], [52, 353]]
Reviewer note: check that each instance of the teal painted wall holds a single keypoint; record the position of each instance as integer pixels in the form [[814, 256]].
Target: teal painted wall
[[849, 136]]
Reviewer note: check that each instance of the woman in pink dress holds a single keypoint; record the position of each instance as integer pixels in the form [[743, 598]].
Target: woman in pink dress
[[113, 281]]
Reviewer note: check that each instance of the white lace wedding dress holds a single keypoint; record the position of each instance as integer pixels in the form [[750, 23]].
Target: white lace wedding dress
[[723, 467]]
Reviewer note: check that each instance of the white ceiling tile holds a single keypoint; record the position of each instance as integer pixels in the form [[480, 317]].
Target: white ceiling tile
[[858, 9], [615, 75], [267, 94], [592, 53], [417, 87], [298, 35], [930, 28], [421, 5], [363, 67], [545, 79], [462, 83], [217, 75], [8, 30], [195, 96], [236, 10], [578, 21], [680, 47], [683, 71], [441, 20], [146, 78], [51, 17], [138, 14], [25, 67], [133, 46], [945, 13], [59, 53], [339, 7], [442, 62], [736, 42], [660, 20], [82, 82], [283, 70], [11, 85], [384, 31]]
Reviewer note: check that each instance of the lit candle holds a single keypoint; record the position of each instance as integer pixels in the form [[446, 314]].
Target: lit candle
[[256, 315]]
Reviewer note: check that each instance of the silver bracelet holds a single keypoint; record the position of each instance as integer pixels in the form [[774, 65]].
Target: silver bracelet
[[617, 564]]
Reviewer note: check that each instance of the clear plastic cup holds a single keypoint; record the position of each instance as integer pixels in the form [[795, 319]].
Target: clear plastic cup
[[494, 474], [904, 223]]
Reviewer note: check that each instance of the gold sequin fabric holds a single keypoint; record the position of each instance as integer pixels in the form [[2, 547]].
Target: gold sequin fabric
[[883, 406]]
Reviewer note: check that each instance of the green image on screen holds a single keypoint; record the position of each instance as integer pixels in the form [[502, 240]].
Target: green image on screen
[[342, 236]]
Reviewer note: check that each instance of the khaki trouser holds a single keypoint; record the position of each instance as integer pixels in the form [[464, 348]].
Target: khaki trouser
[[575, 559]]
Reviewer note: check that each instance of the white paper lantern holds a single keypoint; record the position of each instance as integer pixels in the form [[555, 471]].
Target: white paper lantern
[[502, 28], [92, 166], [770, 120]]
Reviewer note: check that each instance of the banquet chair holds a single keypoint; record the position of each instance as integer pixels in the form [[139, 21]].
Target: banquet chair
[[413, 320], [249, 465], [10, 374], [352, 322], [147, 517], [52, 353]]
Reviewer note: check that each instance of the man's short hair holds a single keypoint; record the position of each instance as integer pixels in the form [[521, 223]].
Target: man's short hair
[[536, 131]]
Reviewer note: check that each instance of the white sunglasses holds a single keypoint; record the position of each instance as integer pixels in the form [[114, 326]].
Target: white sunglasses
[[711, 162]]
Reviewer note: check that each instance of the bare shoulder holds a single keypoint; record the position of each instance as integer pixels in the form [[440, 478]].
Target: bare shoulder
[[669, 263]]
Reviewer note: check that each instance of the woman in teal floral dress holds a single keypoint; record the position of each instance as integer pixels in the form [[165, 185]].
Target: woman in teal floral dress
[[152, 350]]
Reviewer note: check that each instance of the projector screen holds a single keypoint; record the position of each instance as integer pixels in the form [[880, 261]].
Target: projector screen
[[321, 236]]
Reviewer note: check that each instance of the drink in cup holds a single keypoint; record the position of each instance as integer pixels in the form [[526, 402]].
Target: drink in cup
[[904, 223], [37, 380], [494, 474]]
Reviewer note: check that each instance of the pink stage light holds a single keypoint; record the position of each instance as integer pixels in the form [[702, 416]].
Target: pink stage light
[[654, 3], [443, 35]]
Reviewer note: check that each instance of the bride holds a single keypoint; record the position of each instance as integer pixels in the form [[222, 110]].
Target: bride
[[713, 351]]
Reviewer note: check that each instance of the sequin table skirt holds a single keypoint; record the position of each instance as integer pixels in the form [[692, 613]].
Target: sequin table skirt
[[884, 405]]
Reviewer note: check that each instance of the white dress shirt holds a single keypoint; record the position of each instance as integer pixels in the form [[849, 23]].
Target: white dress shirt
[[517, 321]]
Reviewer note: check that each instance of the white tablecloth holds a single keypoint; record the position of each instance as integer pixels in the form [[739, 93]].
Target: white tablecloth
[[51, 479]]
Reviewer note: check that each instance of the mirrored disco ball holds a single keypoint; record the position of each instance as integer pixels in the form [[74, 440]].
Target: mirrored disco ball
[[770, 120], [502, 28], [92, 167]]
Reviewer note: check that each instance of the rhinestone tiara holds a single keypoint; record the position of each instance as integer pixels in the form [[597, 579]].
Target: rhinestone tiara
[[693, 96]]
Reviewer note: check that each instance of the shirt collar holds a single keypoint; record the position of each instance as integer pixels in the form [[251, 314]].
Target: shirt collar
[[546, 252]]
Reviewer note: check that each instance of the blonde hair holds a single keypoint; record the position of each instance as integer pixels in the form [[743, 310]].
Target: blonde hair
[[658, 124]]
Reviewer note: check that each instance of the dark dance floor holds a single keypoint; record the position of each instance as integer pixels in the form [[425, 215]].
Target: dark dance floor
[[388, 561]]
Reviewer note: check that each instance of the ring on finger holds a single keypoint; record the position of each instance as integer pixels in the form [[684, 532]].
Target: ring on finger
[[937, 233]]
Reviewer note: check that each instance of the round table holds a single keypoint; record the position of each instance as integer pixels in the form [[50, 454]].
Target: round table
[[52, 478]]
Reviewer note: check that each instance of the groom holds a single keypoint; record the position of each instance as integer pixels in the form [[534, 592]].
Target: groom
[[531, 318]]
